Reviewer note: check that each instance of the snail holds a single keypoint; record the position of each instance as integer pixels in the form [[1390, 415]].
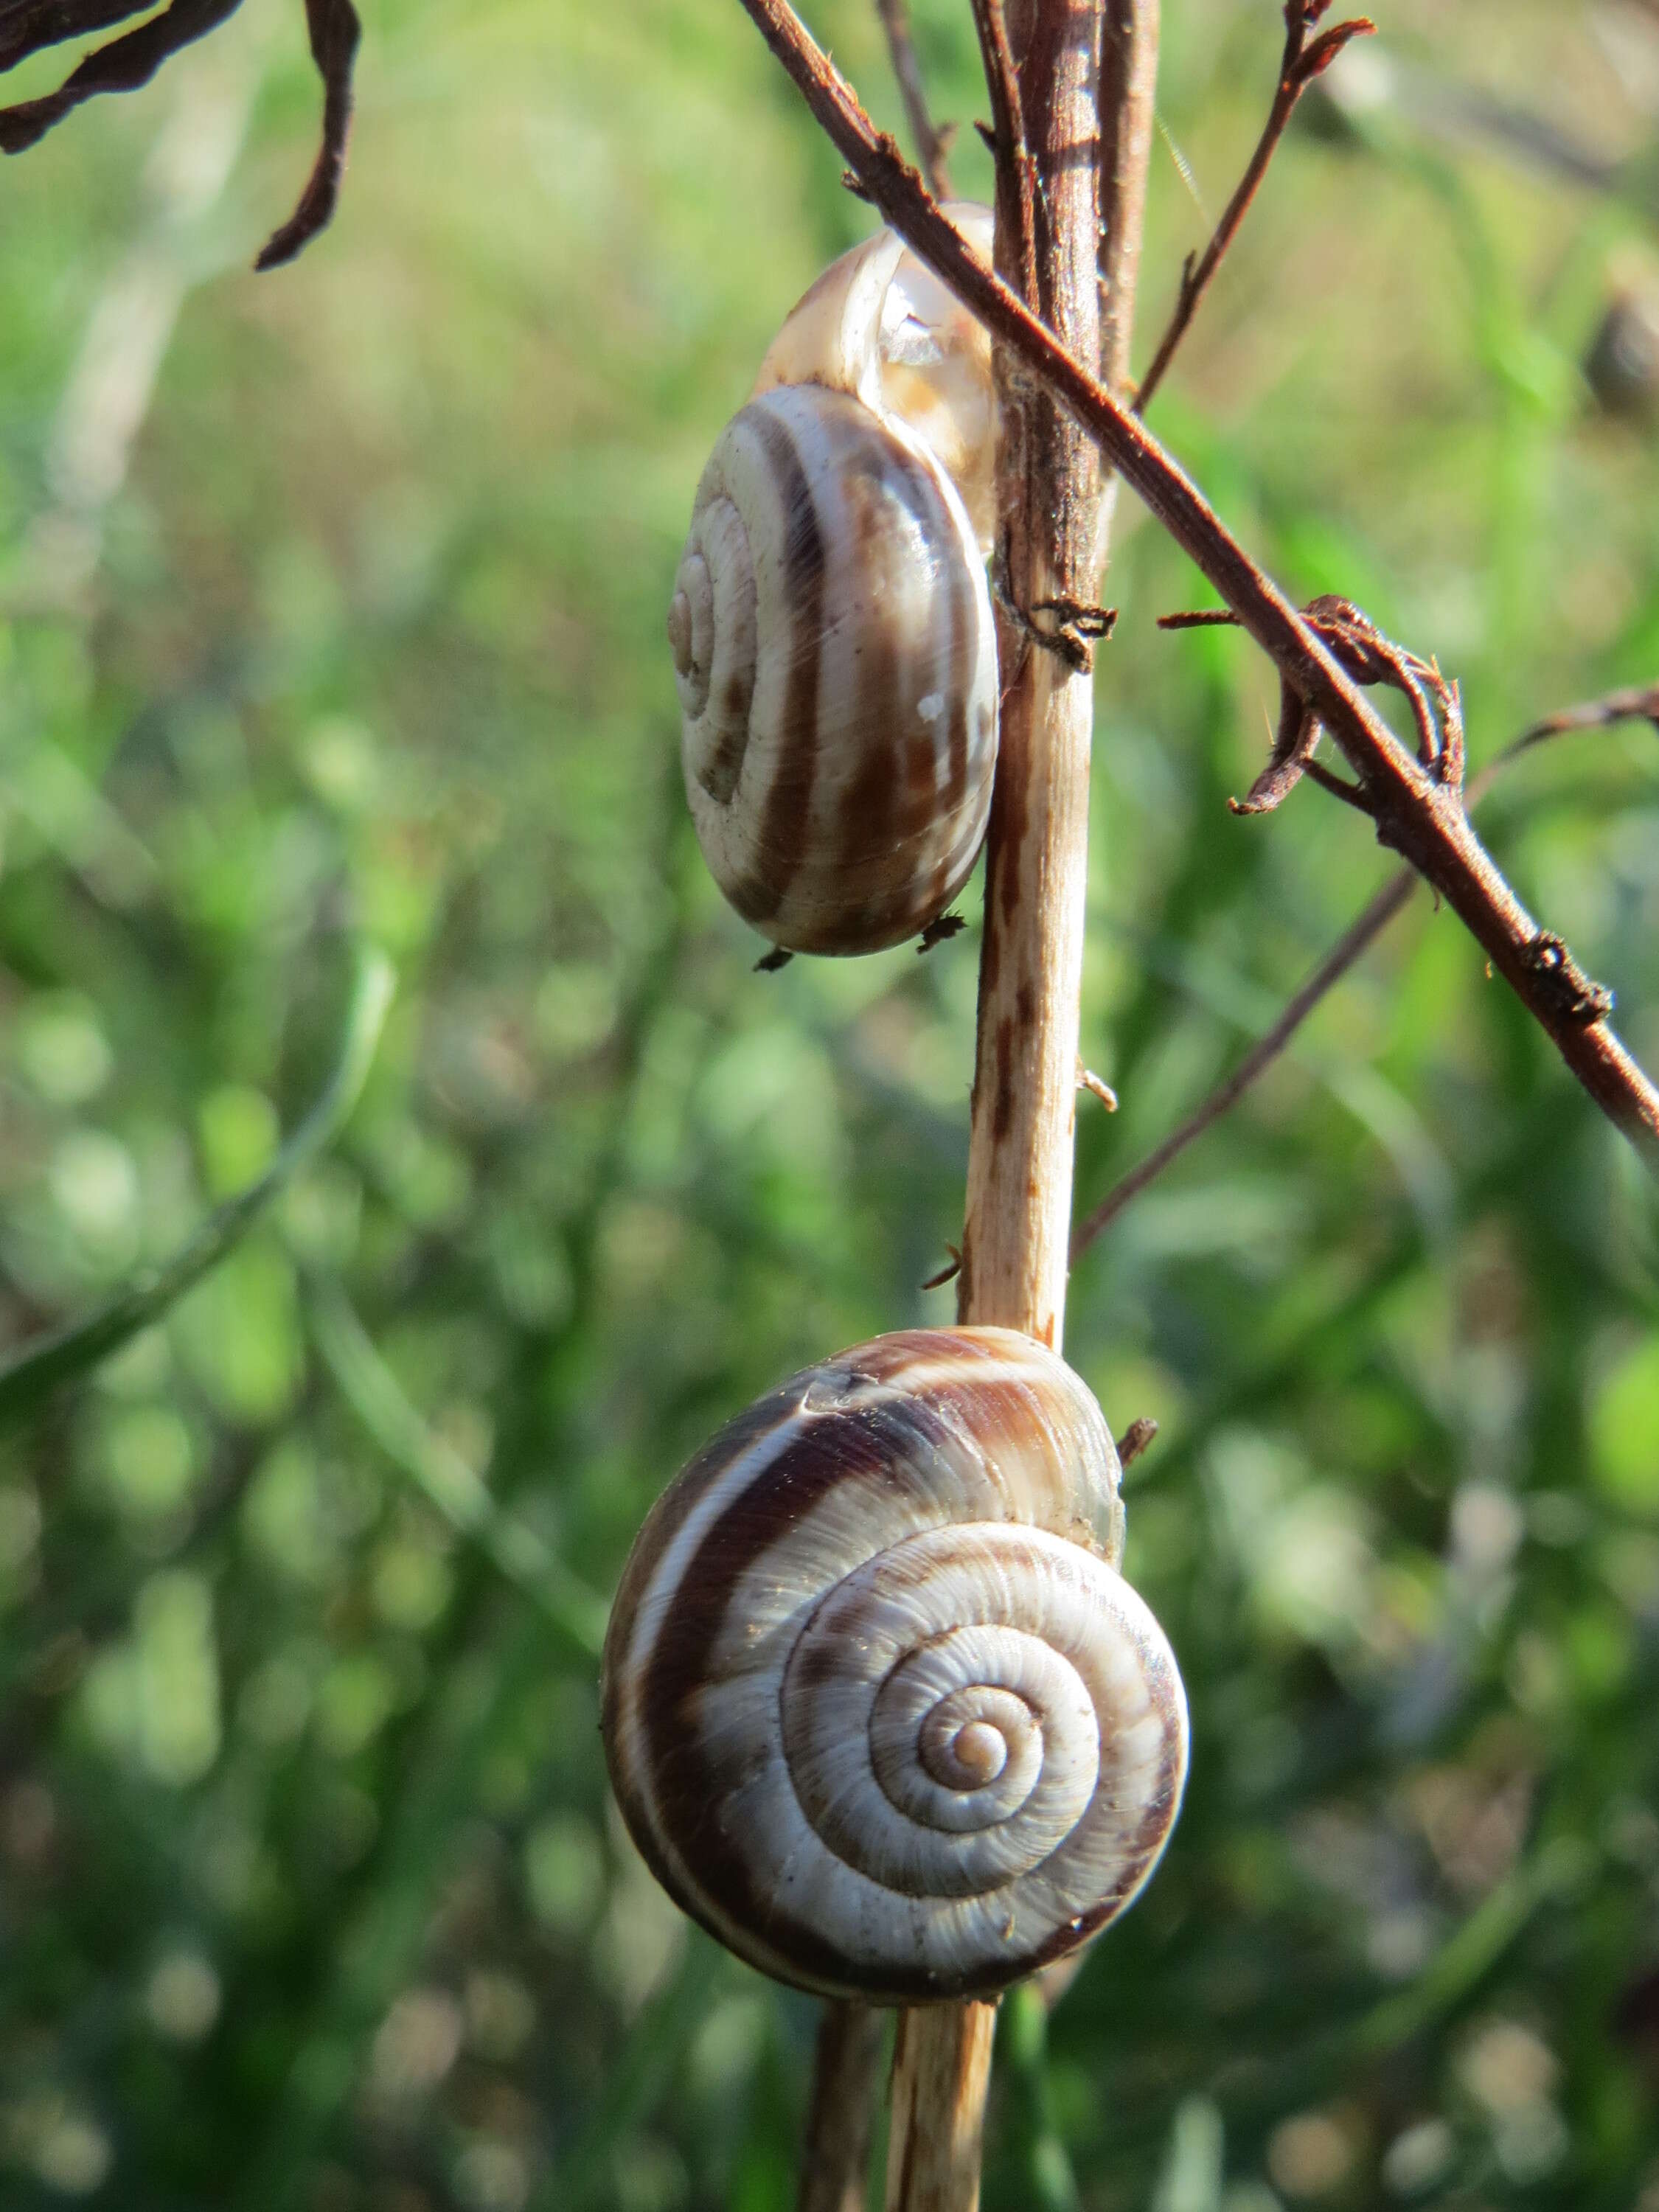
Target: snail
[[879, 1709], [834, 649]]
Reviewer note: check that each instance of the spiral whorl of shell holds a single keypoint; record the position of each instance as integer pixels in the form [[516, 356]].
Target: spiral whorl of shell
[[879, 1709]]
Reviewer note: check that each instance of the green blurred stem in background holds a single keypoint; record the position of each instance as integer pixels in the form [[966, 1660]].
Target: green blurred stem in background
[[77, 1350], [444, 1479]]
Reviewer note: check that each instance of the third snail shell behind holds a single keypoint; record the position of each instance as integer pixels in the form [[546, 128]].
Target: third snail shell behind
[[834, 647]]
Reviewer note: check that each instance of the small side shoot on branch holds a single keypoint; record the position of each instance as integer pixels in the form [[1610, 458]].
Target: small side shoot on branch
[[1305, 58]]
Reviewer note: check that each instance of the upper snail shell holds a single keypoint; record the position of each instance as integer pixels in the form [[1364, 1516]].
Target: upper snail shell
[[880, 1709], [834, 648]]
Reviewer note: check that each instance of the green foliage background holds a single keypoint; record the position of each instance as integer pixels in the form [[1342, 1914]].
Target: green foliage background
[[345, 623]]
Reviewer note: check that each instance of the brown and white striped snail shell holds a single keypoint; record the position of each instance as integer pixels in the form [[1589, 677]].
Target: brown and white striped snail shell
[[834, 648], [880, 1710]]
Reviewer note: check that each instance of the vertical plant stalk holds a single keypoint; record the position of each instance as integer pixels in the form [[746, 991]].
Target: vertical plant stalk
[[1085, 72], [941, 2071]]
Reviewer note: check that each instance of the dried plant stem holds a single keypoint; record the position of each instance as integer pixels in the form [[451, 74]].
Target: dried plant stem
[[941, 2070], [1015, 173], [1640, 704], [1416, 813], [1045, 68], [1299, 66], [1128, 86], [933, 144]]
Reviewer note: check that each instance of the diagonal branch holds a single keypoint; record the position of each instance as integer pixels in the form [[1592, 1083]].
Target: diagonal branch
[[1371, 658], [933, 144], [1301, 63], [1641, 704], [1348, 948], [1415, 814]]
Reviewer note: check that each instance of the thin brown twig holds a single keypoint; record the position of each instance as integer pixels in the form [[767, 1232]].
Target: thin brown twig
[[31, 25], [1639, 704], [1015, 173], [1415, 814], [123, 66], [1300, 64], [933, 144], [1371, 658], [130, 61], [1128, 88], [1369, 926]]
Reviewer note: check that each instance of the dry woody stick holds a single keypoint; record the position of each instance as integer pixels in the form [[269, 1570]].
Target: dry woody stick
[[932, 143], [1052, 89], [1301, 63]]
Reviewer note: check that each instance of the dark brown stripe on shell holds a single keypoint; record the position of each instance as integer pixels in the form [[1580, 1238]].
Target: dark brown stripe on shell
[[720, 773], [688, 1794], [900, 843], [781, 844], [964, 639], [874, 478], [853, 1440], [663, 1523]]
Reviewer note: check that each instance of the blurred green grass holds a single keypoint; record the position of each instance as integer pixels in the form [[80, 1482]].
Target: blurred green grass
[[330, 610]]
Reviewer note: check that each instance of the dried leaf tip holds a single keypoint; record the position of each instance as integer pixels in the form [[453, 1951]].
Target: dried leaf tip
[[132, 60]]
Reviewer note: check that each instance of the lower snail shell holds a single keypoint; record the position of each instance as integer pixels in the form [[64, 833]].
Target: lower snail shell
[[880, 1709], [836, 660]]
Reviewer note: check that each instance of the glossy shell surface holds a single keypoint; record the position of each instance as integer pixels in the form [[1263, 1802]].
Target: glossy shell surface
[[880, 1710], [835, 662]]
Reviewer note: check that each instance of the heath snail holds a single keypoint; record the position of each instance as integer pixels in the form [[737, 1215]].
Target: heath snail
[[879, 1709], [831, 628]]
